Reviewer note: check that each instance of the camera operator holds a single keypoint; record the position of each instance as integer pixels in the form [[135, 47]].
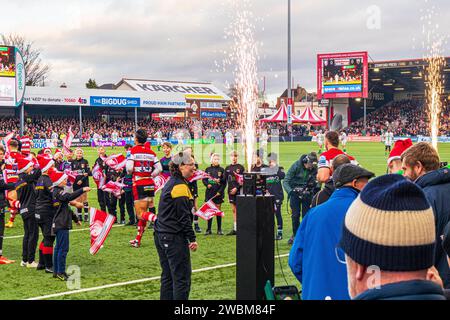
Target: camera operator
[[300, 184]]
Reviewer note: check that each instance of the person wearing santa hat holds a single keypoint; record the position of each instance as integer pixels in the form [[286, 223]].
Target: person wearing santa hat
[[62, 220], [394, 161], [25, 186], [45, 212]]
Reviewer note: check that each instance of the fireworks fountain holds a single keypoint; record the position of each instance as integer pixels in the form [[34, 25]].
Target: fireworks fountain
[[434, 79], [244, 57]]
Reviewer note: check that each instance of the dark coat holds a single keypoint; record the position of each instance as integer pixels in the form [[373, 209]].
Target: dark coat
[[406, 290], [436, 186]]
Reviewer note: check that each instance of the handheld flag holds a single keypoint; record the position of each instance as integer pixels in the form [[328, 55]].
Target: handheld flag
[[208, 210], [100, 226]]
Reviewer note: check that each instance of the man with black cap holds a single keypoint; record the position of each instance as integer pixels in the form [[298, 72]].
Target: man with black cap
[[300, 184], [313, 256]]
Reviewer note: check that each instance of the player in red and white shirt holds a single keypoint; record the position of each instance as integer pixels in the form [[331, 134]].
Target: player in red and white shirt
[[326, 158], [26, 143], [144, 165], [12, 176]]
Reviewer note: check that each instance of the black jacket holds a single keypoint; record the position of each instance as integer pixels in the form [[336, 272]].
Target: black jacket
[[436, 186], [324, 194], [44, 198], [216, 188], [3, 187], [26, 193], [63, 214], [174, 210], [80, 167], [230, 178], [273, 182]]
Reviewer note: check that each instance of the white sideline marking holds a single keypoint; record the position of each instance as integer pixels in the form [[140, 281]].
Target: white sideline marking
[[119, 284], [73, 230]]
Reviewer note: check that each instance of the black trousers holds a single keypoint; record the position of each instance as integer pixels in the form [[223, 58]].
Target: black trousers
[[298, 204], [103, 200], [278, 206], [2, 229], [175, 261], [113, 206], [129, 201], [30, 238]]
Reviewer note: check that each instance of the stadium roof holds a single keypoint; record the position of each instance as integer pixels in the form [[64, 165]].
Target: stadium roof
[[402, 75]]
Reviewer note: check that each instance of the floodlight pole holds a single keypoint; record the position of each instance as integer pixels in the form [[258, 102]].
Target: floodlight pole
[[81, 120], [135, 119], [289, 93], [22, 118]]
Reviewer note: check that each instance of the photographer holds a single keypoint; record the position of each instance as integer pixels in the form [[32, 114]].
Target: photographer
[[300, 184]]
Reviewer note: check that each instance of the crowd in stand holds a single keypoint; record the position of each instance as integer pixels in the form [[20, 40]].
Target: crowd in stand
[[404, 118]]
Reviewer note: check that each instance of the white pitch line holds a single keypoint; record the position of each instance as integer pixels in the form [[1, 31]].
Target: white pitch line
[[73, 230], [119, 284]]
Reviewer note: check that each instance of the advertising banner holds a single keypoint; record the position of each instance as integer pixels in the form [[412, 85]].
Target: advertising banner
[[364, 138], [96, 101], [108, 143], [213, 114]]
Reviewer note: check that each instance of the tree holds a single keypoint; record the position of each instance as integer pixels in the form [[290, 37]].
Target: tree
[[91, 84], [36, 71]]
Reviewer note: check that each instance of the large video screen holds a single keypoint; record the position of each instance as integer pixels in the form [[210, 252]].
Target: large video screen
[[342, 75], [7, 61]]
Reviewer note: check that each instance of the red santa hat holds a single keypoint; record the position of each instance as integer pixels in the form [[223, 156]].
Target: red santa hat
[[45, 162], [47, 151], [399, 147], [57, 151], [23, 164], [57, 177]]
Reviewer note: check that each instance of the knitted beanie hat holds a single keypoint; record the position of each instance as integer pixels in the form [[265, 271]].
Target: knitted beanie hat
[[390, 225]]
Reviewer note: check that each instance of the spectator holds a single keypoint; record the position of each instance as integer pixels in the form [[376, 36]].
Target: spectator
[[421, 165], [313, 255], [389, 241]]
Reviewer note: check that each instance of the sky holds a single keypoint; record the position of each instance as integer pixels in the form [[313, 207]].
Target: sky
[[108, 40]]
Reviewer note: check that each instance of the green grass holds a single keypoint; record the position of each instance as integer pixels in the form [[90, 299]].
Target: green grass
[[118, 262]]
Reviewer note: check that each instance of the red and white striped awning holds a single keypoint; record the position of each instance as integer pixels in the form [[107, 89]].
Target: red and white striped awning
[[279, 116], [308, 116]]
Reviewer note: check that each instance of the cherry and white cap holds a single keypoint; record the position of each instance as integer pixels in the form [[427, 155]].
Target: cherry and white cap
[[45, 162], [57, 177], [400, 146], [23, 164], [57, 151]]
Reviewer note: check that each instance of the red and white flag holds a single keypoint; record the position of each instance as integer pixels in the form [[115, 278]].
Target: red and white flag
[[239, 178], [116, 161], [6, 141], [209, 210], [114, 187], [71, 176], [160, 181], [100, 226], [67, 142], [199, 175], [99, 176]]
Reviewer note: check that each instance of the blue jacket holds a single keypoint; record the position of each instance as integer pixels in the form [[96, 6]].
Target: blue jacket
[[313, 255], [436, 186], [406, 290]]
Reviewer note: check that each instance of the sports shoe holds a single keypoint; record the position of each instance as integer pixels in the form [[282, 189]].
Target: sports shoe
[[219, 232], [40, 266], [208, 232], [134, 243], [291, 241], [122, 221], [86, 218], [197, 228], [4, 260], [62, 276], [33, 264], [231, 233], [48, 270], [9, 224], [23, 264]]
